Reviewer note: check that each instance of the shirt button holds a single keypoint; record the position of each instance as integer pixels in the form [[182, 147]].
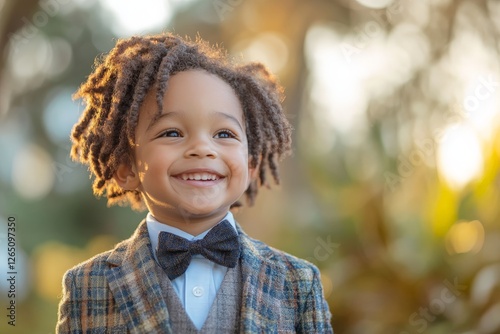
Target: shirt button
[[198, 291]]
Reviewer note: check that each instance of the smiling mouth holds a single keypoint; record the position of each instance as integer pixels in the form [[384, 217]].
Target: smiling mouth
[[199, 177]]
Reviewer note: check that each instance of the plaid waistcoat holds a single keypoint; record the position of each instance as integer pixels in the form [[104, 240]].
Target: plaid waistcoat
[[224, 315]]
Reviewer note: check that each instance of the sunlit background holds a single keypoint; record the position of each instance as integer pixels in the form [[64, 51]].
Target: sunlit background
[[393, 189]]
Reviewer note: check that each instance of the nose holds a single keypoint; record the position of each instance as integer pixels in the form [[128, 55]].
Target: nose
[[200, 148]]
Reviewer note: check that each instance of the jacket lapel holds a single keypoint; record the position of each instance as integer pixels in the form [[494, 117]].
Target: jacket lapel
[[263, 284], [135, 285]]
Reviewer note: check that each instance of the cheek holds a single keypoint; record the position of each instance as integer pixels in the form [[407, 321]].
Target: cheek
[[239, 166], [157, 165]]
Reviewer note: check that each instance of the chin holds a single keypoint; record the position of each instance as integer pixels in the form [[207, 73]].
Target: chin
[[198, 212]]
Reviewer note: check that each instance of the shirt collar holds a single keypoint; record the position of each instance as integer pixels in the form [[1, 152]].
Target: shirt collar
[[155, 227]]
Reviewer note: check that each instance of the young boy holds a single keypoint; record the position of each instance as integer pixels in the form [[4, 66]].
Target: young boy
[[173, 127]]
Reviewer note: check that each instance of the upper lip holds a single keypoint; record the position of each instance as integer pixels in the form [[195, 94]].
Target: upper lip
[[199, 171]]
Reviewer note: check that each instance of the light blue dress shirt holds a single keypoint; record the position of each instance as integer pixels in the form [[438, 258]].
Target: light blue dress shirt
[[198, 286]]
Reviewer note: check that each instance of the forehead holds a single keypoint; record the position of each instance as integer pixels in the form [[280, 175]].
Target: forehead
[[193, 90]]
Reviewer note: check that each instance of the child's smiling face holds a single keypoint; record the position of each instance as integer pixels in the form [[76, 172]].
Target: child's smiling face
[[191, 163]]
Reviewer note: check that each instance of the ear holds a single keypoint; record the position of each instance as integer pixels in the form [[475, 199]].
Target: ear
[[127, 177]]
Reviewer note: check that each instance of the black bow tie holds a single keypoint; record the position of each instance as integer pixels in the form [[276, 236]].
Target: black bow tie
[[220, 245]]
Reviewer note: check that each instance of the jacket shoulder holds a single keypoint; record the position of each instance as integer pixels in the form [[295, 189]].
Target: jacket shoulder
[[290, 264], [96, 265]]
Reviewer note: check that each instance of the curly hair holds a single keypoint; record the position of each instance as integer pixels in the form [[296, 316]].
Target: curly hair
[[105, 134]]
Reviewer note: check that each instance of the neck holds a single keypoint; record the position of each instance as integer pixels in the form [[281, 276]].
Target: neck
[[192, 224]]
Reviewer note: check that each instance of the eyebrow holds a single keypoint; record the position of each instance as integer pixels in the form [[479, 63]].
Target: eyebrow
[[158, 117], [229, 117], [171, 114]]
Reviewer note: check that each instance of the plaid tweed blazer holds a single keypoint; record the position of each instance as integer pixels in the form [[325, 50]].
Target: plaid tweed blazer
[[118, 292]]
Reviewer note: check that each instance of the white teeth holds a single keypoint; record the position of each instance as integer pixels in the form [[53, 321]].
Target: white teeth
[[199, 176]]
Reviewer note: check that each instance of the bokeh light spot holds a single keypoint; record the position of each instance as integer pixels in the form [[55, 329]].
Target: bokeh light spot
[[60, 115], [32, 174], [375, 3], [460, 159], [268, 48], [464, 237], [52, 259], [138, 16]]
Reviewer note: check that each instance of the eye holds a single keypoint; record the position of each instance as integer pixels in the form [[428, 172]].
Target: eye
[[225, 134], [171, 133]]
